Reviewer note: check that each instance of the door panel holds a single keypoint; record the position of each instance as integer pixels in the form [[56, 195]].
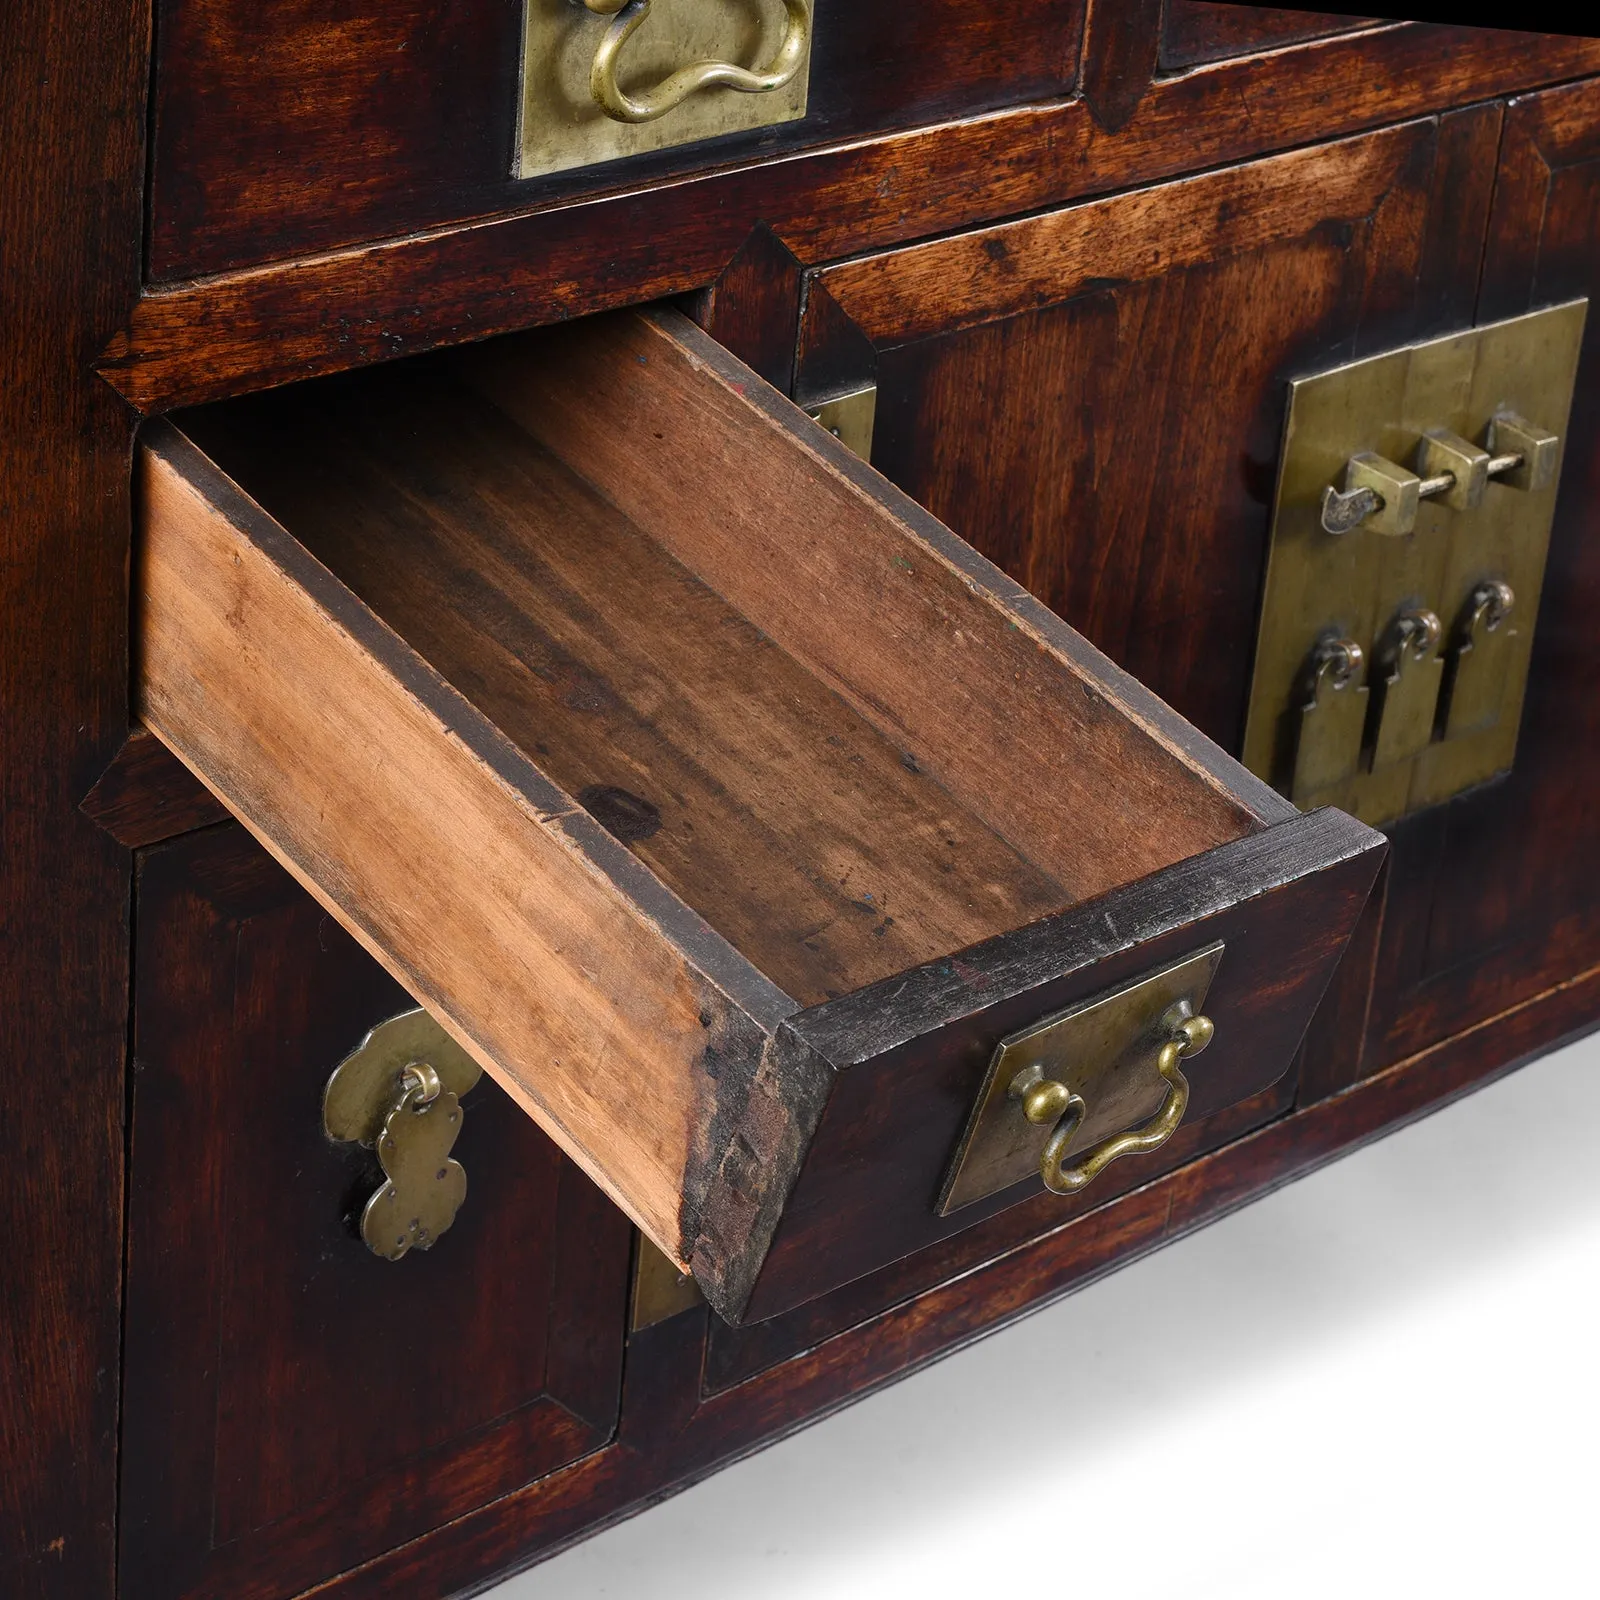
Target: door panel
[[1095, 398], [1492, 900], [295, 1404]]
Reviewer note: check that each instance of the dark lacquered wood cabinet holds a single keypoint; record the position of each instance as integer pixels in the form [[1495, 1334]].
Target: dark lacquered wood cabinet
[[294, 1400], [745, 649]]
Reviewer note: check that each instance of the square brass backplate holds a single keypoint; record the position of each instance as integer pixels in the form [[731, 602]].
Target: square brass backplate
[[562, 127], [1103, 1049], [1383, 740]]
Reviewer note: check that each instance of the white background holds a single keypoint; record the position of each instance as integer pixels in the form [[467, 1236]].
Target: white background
[[1382, 1380]]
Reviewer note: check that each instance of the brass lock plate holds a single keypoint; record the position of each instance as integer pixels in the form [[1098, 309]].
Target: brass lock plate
[[399, 1093], [1423, 408], [561, 126], [1104, 1050]]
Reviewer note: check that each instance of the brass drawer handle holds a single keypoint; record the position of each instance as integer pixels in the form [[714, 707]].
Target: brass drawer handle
[[674, 90], [1046, 1101]]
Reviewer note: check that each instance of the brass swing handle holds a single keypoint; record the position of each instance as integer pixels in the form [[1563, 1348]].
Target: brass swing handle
[[629, 15], [1046, 1101]]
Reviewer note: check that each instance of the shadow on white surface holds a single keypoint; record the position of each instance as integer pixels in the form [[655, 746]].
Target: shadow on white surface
[[1377, 1381]]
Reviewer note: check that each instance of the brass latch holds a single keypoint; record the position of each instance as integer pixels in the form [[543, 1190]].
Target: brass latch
[[1385, 498], [1415, 497], [399, 1093]]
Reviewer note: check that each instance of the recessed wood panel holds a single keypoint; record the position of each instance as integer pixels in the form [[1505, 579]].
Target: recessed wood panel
[[296, 1404], [1094, 396]]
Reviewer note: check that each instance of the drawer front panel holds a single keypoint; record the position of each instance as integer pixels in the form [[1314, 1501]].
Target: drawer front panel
[[284, 129], [294, 1403], [868, 1191]]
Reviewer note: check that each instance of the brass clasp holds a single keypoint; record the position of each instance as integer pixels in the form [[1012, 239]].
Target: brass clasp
[[399, 1092]]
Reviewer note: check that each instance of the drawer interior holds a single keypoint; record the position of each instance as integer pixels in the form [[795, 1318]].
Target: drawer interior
[[807, 821], [685, 769]]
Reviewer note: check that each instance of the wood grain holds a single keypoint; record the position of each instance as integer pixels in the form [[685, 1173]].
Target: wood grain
[[532, 934], [328, 312], [147, 794], [928, 641], [72, 133], [1197, 31], [990, 274], [1158, 327], [817, 847], [295, 1404], [1121, 39], [753, 308]]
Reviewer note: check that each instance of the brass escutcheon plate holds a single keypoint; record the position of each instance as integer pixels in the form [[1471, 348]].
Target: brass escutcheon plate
[[1356, 585], [1103, 1049], [362, 1090], [561, 127]]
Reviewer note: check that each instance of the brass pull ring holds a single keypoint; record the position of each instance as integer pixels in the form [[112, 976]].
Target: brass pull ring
[[674, 90], [1046, 1101]]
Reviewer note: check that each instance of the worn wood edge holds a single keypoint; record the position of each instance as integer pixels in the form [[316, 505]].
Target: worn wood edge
[[146, 794], [761, 1158], [1062, 249], [741, 1006], [1146, 711], [364, 302], [857, 1027], [538, 1522]]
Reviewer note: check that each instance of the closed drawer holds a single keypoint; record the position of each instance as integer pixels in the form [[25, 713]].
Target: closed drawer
[[285, 129], [727, 807]]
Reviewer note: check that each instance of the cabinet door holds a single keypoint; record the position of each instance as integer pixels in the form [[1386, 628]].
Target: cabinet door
[[1095, 398], [1492, 899], [295, 1404]]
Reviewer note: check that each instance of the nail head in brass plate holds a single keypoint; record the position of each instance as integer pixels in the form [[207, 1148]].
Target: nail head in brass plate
[[1104, 1052]]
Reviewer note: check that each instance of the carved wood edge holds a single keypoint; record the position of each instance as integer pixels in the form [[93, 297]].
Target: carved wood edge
[[147, 795]]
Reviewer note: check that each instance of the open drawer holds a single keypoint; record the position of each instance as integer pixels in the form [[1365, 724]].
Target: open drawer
[[726, 806]]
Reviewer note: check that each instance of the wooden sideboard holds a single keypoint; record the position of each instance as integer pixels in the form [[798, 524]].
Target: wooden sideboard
[[285, 347]]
